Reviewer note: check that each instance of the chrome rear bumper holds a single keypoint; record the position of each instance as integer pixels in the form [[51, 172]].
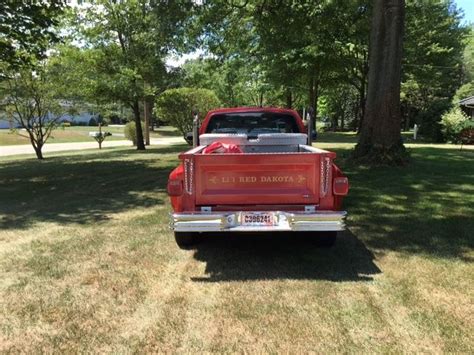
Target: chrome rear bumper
[[232, 222]]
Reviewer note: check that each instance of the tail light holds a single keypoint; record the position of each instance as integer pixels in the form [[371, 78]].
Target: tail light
[[188, 175], [341, 186], [175, 187], [325, 176]]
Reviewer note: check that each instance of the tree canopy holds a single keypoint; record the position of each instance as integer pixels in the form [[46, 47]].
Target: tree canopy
[[125, 44], [309, 55], [177, 106], [33, 101], [26, 31]]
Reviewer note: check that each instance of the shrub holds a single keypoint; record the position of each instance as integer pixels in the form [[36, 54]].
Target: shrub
[[452, 123], [467, 127], [92, 122], [131, 132], [175, 106], [430, 119]]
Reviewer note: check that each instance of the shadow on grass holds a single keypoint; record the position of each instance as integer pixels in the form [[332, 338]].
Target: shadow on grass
[[156, 149], [84, 188], [423, 208], [244, 257]]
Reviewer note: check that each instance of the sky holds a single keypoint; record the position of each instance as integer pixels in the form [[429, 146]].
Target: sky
[[468, 8], [177, 61]]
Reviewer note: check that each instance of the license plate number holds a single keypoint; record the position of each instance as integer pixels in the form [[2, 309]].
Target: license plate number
[[258, 219]]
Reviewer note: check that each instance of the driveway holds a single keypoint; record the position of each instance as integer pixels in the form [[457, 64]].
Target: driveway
[[59, 147]]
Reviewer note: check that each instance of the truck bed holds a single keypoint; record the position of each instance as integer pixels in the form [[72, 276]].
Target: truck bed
[[300, 177]]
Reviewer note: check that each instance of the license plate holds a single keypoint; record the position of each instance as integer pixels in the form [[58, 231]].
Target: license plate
[[258, 219]]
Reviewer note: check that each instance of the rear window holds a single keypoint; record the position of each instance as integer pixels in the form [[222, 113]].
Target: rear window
[[252, 123]]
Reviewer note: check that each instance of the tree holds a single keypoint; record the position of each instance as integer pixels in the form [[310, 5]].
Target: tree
[[467, 89], [298, 44], [340, 104], [176, 106], [31, 101], [380, 139], [432, 66], [26, 31], [352, 59], [296, 48], [228, 31], [130, 41], [234, 81]]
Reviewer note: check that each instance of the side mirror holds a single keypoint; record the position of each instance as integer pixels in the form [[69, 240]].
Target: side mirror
[[188, 137]]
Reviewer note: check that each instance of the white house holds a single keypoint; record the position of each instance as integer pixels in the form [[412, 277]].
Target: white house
[[82, 117]]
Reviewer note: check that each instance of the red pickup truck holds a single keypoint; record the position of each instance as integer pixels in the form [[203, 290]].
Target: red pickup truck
[[264, 178]]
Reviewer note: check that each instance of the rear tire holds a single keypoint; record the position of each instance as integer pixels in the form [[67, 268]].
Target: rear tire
[[185, 240]]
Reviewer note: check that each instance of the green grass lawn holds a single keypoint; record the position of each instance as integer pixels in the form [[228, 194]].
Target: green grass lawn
[[165, 131], [60, 135], [79, 134], [87, 262]]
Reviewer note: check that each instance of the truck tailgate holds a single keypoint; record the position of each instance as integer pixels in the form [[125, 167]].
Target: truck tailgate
[[250, 179]]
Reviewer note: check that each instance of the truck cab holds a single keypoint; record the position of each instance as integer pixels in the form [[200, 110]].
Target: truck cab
[[252, 170]]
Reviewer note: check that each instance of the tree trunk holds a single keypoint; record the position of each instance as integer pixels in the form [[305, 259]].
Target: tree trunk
[[311, 94], [37, 146], [362, 93], [151, 104], [362, 100], [146, 113], [380, 138], [316, 97], [138, 126], [38, 151], [313, 99], [407, 118], [289, 99]]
